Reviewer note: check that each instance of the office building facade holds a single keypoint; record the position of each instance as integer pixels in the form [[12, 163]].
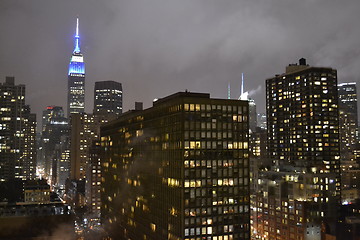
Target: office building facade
[[178, 170]]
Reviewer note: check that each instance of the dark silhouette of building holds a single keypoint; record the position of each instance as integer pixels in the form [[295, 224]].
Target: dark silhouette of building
[[108, 97], [28, 210], [54, 126], [348, 115], [349, 141], [261, 120], [76, 78], [252, 115], [93, 181], [177, 170], [18, 133], [138, 106], [349, 221]]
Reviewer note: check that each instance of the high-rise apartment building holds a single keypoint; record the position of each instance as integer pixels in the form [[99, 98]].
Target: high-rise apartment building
[[108, 97], [76, 78], [178, 170], [302, 118], [18, 133], [303, 137]]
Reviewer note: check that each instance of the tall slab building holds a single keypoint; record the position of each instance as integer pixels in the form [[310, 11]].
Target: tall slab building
[[302, 118], [178, 170], [76, 78], [303, 143], [18, 133]]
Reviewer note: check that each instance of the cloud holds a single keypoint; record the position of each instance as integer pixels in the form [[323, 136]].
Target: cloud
[[255, 91], [159, 47]]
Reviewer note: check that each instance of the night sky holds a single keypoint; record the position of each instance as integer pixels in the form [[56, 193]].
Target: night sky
[[159, 47]]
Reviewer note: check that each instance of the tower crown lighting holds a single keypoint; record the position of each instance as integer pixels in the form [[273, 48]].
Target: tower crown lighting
[[77, 65], [76, 78], [77, 38]]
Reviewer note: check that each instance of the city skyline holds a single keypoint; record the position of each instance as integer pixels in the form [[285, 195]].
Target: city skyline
[[271, 155], [133, 44]]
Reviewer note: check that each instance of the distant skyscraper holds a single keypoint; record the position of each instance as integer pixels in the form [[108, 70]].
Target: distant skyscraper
[[177, 170], [303, 143], [107, 97], [51, 115], [76, 78], [84, 129], [261, 120], [84, 158], [93, 180], [348, 117], [252, 106], [61, 168], [252, 115], [55, 125], [18, 133]]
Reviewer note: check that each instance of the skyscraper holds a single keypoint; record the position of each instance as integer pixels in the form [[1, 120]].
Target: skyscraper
[[54, 126], [252, 115], [76, 78], [349, 143], [84, 128], [348, 117], [178, 170], [84, 160], [302, 118], [252, 106], [261, 120], [108, 97], [18, 133], [303, 143]]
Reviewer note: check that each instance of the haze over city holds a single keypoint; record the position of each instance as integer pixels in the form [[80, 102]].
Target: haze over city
[[155, 48]]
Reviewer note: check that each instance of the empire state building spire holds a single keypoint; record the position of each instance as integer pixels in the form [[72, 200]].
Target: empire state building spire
[[77, 37], [76, 78]]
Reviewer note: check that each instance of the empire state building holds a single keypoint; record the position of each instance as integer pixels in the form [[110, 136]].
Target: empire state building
[[76, 78]]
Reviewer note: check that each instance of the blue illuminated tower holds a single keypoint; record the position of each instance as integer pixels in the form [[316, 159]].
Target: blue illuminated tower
[[76, 78]]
